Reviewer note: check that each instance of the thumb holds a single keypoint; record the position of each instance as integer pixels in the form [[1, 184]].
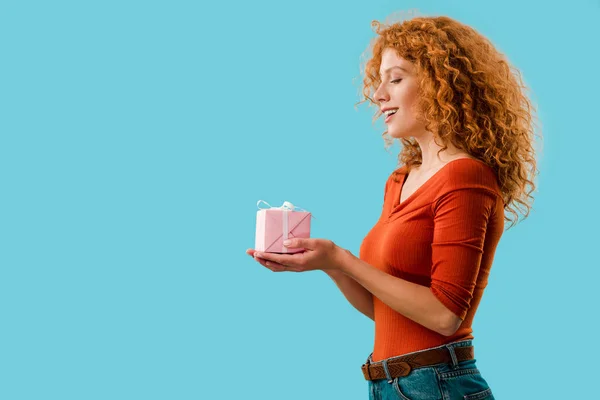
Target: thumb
[[298, 242]]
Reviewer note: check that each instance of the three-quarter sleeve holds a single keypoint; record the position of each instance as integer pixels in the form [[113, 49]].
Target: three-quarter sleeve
[[460, 221]]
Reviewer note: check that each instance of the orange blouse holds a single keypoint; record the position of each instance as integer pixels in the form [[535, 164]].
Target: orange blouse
[[444, 237]]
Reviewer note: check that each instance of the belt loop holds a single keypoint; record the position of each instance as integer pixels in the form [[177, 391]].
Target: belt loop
[[453, 356], [387, 372], [368, 364]]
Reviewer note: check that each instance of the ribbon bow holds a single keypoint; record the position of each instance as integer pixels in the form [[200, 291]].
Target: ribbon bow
[[285, 206]]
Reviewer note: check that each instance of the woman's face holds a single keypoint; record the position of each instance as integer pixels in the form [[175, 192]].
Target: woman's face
[[399, 90]]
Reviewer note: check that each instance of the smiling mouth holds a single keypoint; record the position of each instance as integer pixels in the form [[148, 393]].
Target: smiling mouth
[[388, 117]]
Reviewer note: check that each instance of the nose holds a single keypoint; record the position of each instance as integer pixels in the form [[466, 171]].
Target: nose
[[381, 94]]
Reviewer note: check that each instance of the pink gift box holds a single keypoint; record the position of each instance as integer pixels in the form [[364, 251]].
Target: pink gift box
[[275, 224]]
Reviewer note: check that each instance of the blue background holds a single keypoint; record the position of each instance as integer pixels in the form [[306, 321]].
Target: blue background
[[136, 138]]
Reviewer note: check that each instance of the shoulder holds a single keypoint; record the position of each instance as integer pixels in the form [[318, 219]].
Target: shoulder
[[469, 181], [470, 173], [469, 185]]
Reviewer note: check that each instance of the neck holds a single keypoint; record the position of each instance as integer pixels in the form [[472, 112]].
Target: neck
[[431, 160]]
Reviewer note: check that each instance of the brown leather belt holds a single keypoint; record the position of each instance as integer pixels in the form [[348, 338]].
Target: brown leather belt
[[402, 366]]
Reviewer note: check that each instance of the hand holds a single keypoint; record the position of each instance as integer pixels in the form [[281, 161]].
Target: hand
[[320, 254]]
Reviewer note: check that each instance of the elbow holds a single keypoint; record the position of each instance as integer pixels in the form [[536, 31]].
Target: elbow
[[446, 322], [449, 324]]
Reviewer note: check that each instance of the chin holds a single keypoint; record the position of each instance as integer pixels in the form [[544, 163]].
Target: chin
[[398, 134], [405, 132]]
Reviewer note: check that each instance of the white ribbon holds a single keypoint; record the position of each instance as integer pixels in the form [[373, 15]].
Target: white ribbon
[[284, 225], [286, 207]]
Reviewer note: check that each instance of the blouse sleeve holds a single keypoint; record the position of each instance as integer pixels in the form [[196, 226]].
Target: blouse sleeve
[[460, 222]]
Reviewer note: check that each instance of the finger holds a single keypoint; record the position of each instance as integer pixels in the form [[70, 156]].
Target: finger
[[275, 267], [288, 260], [306, 243], [278, 258]]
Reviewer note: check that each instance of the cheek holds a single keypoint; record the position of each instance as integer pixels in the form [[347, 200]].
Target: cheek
[[409, 111], [405, 124], [405, 101], [408, 96], [406, 114]]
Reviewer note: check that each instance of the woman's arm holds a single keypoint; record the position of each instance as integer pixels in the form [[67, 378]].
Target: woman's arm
[[409, 299], [357, 295], [460, 225]]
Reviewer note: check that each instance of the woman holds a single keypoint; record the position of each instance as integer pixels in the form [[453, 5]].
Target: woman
[[467, 157]]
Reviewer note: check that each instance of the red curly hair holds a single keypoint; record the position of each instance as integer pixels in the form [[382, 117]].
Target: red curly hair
[[469, 96]]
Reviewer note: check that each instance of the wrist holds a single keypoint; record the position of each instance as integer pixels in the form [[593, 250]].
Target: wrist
[[333, 273], [341, 259]]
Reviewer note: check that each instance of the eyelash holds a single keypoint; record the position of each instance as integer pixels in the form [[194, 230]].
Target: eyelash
[[395, 80]]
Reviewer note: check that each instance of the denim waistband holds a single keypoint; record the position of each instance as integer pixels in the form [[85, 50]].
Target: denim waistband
[[461, 343]]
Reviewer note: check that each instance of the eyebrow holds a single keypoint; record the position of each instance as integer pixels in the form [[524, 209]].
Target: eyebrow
[[390, 68]]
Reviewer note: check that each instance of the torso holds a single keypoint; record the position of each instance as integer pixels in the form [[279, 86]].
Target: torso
[[406, 243], [414, 180]]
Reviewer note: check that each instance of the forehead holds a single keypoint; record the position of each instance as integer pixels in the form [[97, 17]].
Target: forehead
[[389, 59]]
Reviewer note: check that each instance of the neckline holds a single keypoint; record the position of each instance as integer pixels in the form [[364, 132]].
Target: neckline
[[398, 203]]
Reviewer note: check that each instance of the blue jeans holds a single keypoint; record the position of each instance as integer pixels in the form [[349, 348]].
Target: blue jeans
[[461, 381]]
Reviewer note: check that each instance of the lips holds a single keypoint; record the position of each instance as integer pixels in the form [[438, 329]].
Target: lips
[[384, 110], [389, 117]]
